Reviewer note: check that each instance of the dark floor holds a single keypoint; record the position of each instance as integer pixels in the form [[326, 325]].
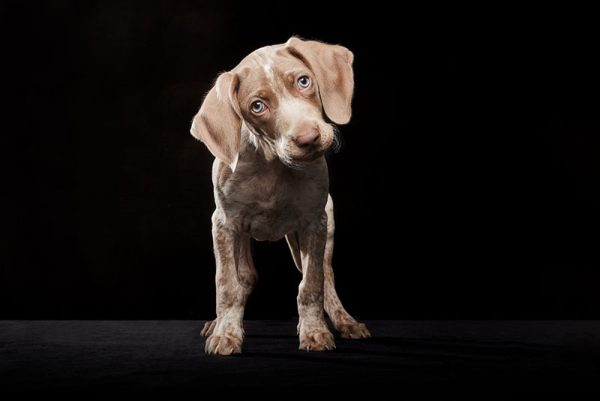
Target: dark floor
[[444, 359]]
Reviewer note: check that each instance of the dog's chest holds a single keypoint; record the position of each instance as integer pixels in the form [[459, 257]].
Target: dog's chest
[[270, 222], [268, 207]]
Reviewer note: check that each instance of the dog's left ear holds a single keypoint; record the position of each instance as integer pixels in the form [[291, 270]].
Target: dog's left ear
[[332, 65], [218, 122]]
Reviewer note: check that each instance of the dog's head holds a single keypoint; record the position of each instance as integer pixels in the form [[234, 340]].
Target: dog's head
[[282, 94]]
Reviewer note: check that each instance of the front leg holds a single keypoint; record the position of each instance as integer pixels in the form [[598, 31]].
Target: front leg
[[247, 276], [312, 328], [227, 334]]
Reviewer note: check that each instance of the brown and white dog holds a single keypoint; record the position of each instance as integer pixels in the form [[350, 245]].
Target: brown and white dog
[[265, 122]]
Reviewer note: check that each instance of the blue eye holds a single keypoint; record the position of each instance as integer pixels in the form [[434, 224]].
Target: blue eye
[[303, 82], [258, 107]]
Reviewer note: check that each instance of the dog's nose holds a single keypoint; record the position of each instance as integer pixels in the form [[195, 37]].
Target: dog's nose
[[308, 138]]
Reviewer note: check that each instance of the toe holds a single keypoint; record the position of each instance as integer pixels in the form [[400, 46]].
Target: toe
[[317, 341], [208, 328], [354, 330], [223, 345]]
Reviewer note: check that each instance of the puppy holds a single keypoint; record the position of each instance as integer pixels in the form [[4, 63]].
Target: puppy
[[268, 122]]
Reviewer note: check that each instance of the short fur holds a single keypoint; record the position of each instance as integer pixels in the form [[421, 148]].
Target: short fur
[[271, 181]]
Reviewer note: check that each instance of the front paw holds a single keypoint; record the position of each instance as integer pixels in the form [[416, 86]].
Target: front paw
[[353, 330], [227, 344], [317, 339]]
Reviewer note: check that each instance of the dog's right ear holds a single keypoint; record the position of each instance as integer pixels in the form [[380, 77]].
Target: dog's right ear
[[218, 122]]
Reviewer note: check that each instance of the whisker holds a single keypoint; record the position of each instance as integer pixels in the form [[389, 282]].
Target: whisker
[[336, 146]]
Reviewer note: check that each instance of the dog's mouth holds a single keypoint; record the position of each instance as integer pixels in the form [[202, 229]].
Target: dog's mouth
[[311, 155], [301, 159]]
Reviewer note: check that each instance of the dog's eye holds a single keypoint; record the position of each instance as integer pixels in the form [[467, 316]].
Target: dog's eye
[[303, 82], [258, 107]]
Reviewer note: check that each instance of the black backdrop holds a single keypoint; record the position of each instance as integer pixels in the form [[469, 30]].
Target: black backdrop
[[466, 186]]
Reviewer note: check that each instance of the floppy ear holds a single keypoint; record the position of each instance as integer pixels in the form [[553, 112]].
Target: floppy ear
[[218, 122], [332, 65]]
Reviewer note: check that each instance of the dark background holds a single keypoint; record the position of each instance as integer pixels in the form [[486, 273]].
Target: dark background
[[467, 186]]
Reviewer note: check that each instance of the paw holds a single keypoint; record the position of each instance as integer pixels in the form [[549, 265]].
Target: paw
[[208, 328], [223, 345], [316, 340], [353, 330]]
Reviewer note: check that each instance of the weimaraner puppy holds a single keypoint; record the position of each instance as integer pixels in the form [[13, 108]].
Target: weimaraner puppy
[[268, 123]]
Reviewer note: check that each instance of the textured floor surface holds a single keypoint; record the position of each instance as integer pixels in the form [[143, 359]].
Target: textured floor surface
[[442, 359]]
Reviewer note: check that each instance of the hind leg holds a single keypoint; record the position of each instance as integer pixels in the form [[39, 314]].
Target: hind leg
[[345, 324]]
